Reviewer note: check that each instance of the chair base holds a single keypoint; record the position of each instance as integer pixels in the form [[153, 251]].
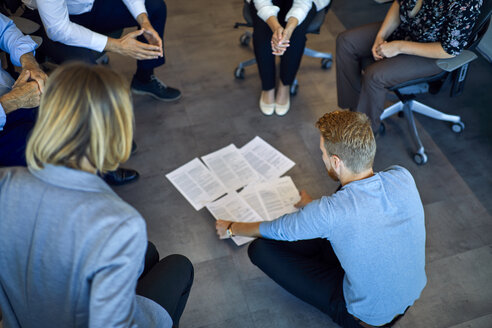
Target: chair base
[[410, 106], [326, 61]]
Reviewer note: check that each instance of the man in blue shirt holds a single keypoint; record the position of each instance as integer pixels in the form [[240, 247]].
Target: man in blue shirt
[[357, 255], [18, 98]]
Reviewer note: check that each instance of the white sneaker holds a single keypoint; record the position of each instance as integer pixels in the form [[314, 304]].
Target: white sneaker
[[281, 110], [267, 109]]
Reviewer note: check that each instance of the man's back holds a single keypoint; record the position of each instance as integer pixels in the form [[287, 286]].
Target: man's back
[[376, 228], [379, 239]]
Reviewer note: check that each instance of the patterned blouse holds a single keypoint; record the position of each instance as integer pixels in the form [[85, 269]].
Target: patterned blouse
[[447, 21]]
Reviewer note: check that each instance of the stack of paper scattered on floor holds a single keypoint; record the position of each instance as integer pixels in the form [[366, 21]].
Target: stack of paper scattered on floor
[[256, 168]]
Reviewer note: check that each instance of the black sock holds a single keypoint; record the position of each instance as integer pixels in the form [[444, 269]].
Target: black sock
[[143, 75]]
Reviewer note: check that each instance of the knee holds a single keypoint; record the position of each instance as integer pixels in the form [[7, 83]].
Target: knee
[[255, 249], [343, 41], [182, 264], [156, 8], [373, 75]]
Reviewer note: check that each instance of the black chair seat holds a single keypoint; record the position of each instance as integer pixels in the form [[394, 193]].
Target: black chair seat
[[428, 79]]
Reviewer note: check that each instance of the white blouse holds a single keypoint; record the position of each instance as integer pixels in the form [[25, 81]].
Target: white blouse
[[299, 9]]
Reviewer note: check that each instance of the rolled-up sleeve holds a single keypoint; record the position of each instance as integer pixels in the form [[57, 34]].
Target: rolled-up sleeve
[[136, 7], [299, 10], [13, 41], [457, 31], [313, 221], [56, 21], [265, 9]]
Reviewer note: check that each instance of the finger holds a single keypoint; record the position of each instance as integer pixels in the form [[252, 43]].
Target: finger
[[148, 47], [40, 80], [23, 78], [136, 33]]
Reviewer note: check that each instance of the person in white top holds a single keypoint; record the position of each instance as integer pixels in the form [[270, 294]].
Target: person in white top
[[279, 29], [78, 29]]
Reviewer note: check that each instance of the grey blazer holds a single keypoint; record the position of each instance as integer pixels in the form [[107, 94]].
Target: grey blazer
[[71, 252]]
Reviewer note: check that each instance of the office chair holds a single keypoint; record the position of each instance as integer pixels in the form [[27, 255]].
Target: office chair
[[456, 68], [313, 28]]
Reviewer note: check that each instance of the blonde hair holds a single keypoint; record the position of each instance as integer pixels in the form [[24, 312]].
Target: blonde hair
[[349, 136], [85, 111]]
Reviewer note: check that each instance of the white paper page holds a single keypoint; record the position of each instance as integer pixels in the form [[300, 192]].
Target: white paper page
[[230, 166], [277, 197], [266, 160], [251, 197], [231, 207], [196, 183]]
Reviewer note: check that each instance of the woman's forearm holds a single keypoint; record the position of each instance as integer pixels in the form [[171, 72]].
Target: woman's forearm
[[273, 23], [391, 21], [429, 50]]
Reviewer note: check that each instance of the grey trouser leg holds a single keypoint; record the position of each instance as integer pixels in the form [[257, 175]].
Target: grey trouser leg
[[365, 91]]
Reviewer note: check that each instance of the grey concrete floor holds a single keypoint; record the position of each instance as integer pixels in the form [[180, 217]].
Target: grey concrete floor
[[202, 50]]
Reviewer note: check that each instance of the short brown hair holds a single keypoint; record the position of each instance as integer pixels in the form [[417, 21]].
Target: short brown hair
[[349, 136], [85, 111]]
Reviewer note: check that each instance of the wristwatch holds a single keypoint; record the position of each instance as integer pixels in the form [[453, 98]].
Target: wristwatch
[[229, 230]]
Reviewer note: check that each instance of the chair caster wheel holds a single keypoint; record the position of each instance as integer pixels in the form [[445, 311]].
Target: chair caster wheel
[[458, 127], [293, 89], [382, 129], [239, 73], [420, 159], [326, 63], [244, 40]]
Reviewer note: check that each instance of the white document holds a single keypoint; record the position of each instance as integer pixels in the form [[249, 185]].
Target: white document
[[232, 208], [230, 167], [273, 198], [196, 183], [266, 160]]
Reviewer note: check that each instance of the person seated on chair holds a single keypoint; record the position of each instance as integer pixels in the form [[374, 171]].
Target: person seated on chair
[[19, 98], [73, 253], [77, 31], [357, 255], [19, 101], [279, 29], [401, 48]]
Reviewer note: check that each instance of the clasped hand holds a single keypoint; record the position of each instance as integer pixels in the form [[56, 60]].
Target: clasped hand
[[383, 49]]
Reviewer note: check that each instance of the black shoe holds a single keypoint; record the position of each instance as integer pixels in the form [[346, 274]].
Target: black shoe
[[120, 177], [155, 88], [134, 148]]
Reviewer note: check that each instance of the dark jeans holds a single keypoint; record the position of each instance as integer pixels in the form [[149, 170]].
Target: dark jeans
[[106, 16], [167, 282], [291, 59], [308, 269], [13, 138]]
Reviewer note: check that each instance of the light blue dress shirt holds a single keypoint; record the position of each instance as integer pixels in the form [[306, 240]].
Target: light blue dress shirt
[[71, 252], [376, 227], [16, 44]]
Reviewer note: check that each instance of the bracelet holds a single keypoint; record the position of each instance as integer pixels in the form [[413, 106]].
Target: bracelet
[[229, 230]]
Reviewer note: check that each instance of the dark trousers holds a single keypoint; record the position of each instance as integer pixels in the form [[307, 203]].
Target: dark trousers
[[13, 138], [167, 282], [291, 59], [365, 91], [308, 269], [107, 16]]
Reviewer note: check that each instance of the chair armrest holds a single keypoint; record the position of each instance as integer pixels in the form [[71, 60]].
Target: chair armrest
[[25, 25], [452, 64]]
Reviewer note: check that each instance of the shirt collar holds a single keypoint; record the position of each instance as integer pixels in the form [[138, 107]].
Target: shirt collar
[[65, 177]]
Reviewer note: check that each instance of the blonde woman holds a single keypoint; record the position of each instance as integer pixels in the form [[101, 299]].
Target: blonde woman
[[73, 252]]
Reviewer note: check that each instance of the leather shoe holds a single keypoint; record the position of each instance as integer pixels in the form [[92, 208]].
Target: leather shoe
[[120, 177], [267, 109]]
